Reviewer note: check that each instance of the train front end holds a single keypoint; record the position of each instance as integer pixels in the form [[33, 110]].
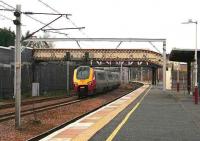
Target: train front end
[[84, 81]]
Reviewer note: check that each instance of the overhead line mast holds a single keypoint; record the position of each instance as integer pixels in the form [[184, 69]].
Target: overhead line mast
[[17, 76]]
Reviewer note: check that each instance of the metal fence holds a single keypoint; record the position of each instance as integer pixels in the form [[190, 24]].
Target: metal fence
[[51, 75]]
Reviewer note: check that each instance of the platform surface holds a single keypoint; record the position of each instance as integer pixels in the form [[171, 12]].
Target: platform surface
[[161, 116], [153, 115]]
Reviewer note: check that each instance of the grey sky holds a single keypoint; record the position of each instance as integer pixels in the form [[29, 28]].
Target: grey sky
[[117, 18]]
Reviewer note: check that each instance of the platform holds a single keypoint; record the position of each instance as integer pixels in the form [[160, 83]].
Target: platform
[[142, 115], [160, 117]]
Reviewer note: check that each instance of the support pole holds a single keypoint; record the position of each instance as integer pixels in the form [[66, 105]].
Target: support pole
[[158, 78], [68, 83], [189, 77], [17, 77], [141, 74], [153, 75], [178, 82], [121, 72], [129, 74], [196, 91], [164, 65]]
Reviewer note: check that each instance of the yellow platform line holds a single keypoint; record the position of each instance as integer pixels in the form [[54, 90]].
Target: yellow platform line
[[114, 133], [86, 135]]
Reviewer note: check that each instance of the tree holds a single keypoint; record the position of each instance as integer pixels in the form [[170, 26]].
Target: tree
[[7, 37]]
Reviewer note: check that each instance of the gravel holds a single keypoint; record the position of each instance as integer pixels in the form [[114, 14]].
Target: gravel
[[38, 123]]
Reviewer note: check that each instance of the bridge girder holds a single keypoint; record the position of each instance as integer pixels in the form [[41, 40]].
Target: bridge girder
[[104, 55]]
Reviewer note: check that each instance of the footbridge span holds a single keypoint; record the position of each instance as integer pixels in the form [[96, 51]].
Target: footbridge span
[[102, 57]]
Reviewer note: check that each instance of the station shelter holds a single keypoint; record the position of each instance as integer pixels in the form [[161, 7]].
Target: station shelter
[[187, 56]]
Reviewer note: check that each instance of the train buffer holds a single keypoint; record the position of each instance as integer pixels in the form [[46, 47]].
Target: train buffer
[[148, 113]]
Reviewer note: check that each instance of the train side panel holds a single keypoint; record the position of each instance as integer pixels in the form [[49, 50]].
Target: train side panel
[[101, 81]]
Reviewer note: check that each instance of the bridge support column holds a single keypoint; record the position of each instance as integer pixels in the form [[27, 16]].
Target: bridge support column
[[129, 74], [153, 76], [121, 73], [141, 74], [148, 76], [189, 77], [157, 77], [68, 81], [152, 79]]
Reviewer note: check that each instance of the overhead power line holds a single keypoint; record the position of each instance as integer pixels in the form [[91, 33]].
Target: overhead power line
[[7, 5], [56, 11], [6, 9], [39, 21], [42, 27], [65, 28], [48, 6], [154, 47], [55, 32], [34, 13]]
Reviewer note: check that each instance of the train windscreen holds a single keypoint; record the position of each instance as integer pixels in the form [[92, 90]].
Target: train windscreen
[[83, 72]]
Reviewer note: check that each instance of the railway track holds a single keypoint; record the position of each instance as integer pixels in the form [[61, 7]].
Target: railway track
[[11, 115], [28, 102], [32, 110]]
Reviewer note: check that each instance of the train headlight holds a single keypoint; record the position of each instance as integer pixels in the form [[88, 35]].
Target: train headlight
[[89, 83], [75, 84]]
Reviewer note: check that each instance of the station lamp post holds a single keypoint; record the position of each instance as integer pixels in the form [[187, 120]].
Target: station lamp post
[[190, 21]]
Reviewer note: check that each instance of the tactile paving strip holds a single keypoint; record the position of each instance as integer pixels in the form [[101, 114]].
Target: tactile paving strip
[[86, 127]]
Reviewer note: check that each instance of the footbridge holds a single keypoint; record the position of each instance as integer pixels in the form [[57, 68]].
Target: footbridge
[[102, 57]]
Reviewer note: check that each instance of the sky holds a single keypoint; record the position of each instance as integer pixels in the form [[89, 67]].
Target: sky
[[114, 18]]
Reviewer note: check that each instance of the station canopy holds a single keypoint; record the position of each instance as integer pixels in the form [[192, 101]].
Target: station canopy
[[182, 55]]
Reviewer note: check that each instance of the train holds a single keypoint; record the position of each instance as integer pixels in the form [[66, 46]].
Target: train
[[90, 81]]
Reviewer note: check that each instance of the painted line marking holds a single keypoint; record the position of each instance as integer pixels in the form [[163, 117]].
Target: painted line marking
[[114, 133], [92, 115]]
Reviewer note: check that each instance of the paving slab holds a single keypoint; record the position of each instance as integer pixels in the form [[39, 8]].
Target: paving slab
[[161, 116]]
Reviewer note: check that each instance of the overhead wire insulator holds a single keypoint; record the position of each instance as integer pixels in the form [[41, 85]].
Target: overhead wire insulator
[[17, 14]]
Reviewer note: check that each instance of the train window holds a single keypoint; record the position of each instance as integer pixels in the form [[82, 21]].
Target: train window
[[101, 76], [83, 73], [116, 76], [110, 77]]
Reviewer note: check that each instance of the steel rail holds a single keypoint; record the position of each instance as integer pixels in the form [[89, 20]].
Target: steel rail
[[11, 115]]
